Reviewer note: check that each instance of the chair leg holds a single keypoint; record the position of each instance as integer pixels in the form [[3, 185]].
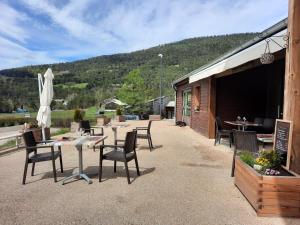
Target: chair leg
[[233, 164], [54, 170], [151, 141], [25, 172], [100, 168], [137, 166], [216, 139], [94, 148], [230, 141], [61, 164], [32, 169], [115, 166], [127, 172]]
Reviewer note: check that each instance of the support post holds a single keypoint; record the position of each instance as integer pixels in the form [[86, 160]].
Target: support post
[[292, 82]]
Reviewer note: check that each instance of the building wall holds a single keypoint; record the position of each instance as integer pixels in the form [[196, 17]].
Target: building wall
[[200, 111], [200, 118]]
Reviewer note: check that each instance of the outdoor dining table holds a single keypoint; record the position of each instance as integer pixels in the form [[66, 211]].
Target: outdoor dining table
[[114, 129], [242, 124], [79, 143]]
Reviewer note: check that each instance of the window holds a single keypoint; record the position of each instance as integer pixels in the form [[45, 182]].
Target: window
[[187, 103], [197, 96]]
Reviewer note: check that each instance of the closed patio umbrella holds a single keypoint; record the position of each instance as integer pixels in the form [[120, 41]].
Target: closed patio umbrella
[[46, 95]]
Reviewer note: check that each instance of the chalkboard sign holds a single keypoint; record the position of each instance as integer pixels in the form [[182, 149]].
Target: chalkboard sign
[[283, 136]]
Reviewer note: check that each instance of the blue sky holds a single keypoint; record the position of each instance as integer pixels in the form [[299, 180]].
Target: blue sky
[[38, 32]]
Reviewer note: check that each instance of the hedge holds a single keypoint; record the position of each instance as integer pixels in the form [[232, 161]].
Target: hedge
[[55, 122]]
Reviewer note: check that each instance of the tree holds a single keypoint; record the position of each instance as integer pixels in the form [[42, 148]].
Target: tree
[[132, 91]]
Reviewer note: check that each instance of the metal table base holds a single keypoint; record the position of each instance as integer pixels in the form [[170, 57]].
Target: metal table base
[[80, 174]]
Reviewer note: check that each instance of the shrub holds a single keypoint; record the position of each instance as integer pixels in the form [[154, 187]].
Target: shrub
[[78, 115], [248, 158], [119, 111]]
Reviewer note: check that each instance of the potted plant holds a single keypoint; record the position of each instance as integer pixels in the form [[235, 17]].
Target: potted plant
[[78, 116], [119, 115]]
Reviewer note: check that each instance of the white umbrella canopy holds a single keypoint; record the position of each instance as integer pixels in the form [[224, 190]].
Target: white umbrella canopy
[[44, 113]]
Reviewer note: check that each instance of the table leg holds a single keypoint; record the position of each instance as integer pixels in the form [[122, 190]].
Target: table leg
[[80, 174], [115, 135]]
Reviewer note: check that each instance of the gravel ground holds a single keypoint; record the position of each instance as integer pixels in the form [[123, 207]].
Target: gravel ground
[[185, 180]]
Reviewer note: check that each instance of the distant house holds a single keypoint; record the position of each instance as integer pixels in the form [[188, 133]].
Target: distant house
[[154, 105], [113, 104]]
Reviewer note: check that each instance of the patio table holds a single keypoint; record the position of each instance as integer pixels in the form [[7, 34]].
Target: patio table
[[114, 129], [265, 139], [242, 125], [80, 142]]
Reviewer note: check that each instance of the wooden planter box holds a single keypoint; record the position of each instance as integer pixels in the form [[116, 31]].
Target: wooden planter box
[[102, 121], [268, 195], [37, 133], [120, 118], [154, 117]]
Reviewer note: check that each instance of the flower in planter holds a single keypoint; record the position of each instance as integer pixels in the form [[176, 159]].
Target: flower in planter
[[272, 172]]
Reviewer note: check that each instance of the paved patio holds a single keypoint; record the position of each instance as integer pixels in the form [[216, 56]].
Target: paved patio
[[185, 180]]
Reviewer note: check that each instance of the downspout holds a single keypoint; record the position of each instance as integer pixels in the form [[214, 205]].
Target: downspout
[[175, 107]]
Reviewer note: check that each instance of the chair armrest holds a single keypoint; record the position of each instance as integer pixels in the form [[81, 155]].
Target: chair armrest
[[40, 146], [111, 146], [44, 142], [141, 128]]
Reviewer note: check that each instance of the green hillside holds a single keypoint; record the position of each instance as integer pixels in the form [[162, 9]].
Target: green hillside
[[86, 82]]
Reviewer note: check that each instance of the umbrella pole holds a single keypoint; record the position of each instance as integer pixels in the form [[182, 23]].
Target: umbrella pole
[[43, 133]]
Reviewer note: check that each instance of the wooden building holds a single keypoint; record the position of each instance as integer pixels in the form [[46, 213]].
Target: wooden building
[[236, 84]]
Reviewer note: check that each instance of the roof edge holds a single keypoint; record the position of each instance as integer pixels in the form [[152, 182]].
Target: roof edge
[[281, 25]]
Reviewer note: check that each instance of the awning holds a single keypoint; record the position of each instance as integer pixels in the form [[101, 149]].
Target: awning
[[253, 52]]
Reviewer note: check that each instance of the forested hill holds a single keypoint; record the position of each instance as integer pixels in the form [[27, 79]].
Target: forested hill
[[86, 82]]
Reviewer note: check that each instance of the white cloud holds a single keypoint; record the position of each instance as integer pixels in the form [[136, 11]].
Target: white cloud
[[78, 29], [13, 54], [11, 23]]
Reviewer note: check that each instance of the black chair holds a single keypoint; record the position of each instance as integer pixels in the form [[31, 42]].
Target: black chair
[[122, 153], [244, 141], [145, 135], [87, 129], [31, 146], [258, 129], [258, 120], [222, 133], [268, 126]]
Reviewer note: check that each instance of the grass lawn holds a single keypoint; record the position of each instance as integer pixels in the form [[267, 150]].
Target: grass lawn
[[72, 85], [90, 113], [8, 144]]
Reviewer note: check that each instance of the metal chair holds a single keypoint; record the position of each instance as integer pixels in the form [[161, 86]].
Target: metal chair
[[221, 133], [86, 128], [268, 126], [31, 146], [244, 141], [122, 153], [146, 135]]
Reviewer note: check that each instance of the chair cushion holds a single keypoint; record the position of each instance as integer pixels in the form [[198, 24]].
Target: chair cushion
[[43, 156], [118, 156]]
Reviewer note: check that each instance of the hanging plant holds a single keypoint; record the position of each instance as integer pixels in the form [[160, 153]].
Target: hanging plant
[[267, 57]]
